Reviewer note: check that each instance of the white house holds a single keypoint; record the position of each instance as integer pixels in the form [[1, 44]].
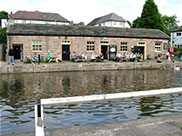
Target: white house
[[110, 20], [36, 17], [176, 37], [4, 23]]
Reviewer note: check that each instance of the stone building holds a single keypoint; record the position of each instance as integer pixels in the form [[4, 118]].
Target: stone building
[[64, 39]]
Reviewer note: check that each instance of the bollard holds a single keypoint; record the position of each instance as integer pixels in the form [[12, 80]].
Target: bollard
[[39, 122], [39, 58]]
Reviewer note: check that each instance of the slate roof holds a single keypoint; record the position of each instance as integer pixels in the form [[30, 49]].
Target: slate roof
[[41, 16], [86, 31], [109, 17], [178, 29]]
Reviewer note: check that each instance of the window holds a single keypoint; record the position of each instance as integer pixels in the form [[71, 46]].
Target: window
[[90, 45], [124, 46], [178, 34], [104, 42], [157, 47], [65, 42], [141, 43], [165, 46], [36, 45]]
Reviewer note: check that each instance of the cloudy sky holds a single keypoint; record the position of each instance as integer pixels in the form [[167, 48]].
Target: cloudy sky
[[87, 10]]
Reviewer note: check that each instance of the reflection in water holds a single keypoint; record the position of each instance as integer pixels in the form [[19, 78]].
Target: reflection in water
[[19, 92]]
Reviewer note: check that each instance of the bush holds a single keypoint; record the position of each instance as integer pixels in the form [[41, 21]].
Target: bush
[[3, 38], [178, 50]]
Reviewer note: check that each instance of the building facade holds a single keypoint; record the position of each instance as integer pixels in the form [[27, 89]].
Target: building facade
[[65, 40], [110, 20], [35, 17], [176, 38]]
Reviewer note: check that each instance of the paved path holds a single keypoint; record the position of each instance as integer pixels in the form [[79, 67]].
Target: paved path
[[170, 125]]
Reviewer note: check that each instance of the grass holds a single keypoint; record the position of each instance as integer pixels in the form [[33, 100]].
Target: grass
[[176, 59]]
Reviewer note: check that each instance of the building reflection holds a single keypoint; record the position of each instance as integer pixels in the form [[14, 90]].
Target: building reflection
[[20, 91]]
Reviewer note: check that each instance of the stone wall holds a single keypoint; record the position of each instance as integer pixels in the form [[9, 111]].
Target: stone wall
[[54, 67], [78, 44]]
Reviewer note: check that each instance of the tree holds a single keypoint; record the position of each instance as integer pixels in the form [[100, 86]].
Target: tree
[[3, 38], [136, 23], [81, 23], [150, 17], [170, 23], [129, 23], [3, 15]]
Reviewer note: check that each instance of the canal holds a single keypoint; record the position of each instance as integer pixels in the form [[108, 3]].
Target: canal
[[19, 92]]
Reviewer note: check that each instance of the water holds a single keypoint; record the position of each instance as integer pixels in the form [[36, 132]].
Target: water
[[19, 92]]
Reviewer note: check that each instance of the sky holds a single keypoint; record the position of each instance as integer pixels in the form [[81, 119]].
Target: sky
[[87, 10]]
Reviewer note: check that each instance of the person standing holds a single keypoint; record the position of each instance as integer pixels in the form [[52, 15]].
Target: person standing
[[11, 55]]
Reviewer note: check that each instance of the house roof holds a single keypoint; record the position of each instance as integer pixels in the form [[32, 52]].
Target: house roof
[[178, 29], [41, 16], [109, 17], [87, 31]]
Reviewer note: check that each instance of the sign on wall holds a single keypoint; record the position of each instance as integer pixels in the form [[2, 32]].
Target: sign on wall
[[112, 51]]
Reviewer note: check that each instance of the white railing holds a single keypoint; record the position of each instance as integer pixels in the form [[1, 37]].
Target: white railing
[[39, 121]]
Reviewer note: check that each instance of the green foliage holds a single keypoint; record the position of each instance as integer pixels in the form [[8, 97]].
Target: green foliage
[[3, 15], [178, 50], [136, 23], [150, 17], [3, 38], [176, 58], [129, 23], [81, 23], [170, 23]]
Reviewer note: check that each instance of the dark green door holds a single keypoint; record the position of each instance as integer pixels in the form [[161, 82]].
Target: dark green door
[[112, 51]]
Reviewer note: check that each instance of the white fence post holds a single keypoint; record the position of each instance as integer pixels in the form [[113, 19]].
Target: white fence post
[[39, 122]]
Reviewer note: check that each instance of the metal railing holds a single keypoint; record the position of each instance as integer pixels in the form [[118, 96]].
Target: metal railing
[[39, 120]]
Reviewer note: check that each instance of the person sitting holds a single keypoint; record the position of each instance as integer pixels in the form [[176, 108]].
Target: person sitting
[[118, 57], [58, 58], [84, 57], [127, 56], [131, 57], [49, 57], [93, 57], [140, 57], [74, 56], [29, 58], [101, 56], [159, 59], [35, 57]]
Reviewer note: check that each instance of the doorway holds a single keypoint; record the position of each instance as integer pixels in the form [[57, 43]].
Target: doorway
[[104, 51], [65, 52], [141, 50], [18, 51]]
